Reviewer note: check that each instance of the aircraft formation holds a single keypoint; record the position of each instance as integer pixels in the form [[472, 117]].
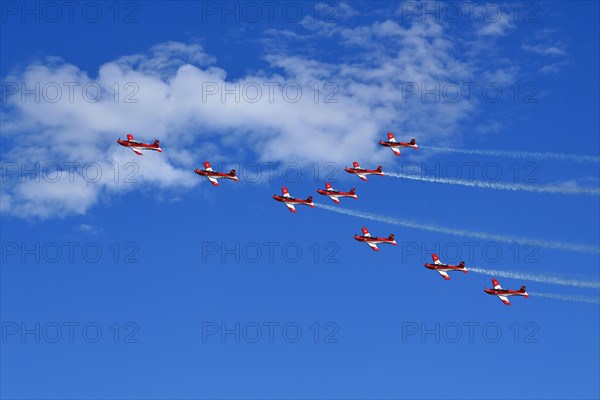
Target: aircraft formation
[[335, 195]]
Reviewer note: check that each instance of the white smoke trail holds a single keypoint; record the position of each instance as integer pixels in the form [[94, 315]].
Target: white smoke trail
[[585, 299], [553, 280], [500, 186], [518, 154], [581, 248]]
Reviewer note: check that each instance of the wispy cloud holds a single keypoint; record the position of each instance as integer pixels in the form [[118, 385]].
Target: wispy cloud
[[553, 68], [181, 98], [548, 49], [545, 50], [86, 228], [498, 27]]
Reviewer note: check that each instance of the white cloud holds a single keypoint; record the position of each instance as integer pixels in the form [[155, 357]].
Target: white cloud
[[545, 50], [553, 68], [53, 199], [86, 228], [497, 26], [173, 105]]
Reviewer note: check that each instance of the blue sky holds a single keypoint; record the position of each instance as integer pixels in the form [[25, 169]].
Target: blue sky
[[163, 263]]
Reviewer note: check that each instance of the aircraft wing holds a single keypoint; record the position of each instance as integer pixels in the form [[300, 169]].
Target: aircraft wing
[[361, 176], [136, 151], [444, 274], [496, 284], [504, 299], [291, 207], [207, 166], [335, 199], [213, 181], [373, 246], [285, 192], [396, 151]]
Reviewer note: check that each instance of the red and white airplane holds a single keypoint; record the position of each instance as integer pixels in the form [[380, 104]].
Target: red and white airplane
[[289, 201], [335, 194], [504, 293], [395, 146], [372, 241], [213, 175], [442, 269], [137, 147], [362, 172]]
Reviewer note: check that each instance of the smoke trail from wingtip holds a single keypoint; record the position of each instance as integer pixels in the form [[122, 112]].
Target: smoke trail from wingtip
[[584, 299], [500, 186], [553, 280], [518, 154], [580, 248]]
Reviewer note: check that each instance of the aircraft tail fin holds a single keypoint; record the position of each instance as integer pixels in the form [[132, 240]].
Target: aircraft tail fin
[[232, 172], [156, 143], [309, 199], [353, 191], [413, 141], [379, 169]]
